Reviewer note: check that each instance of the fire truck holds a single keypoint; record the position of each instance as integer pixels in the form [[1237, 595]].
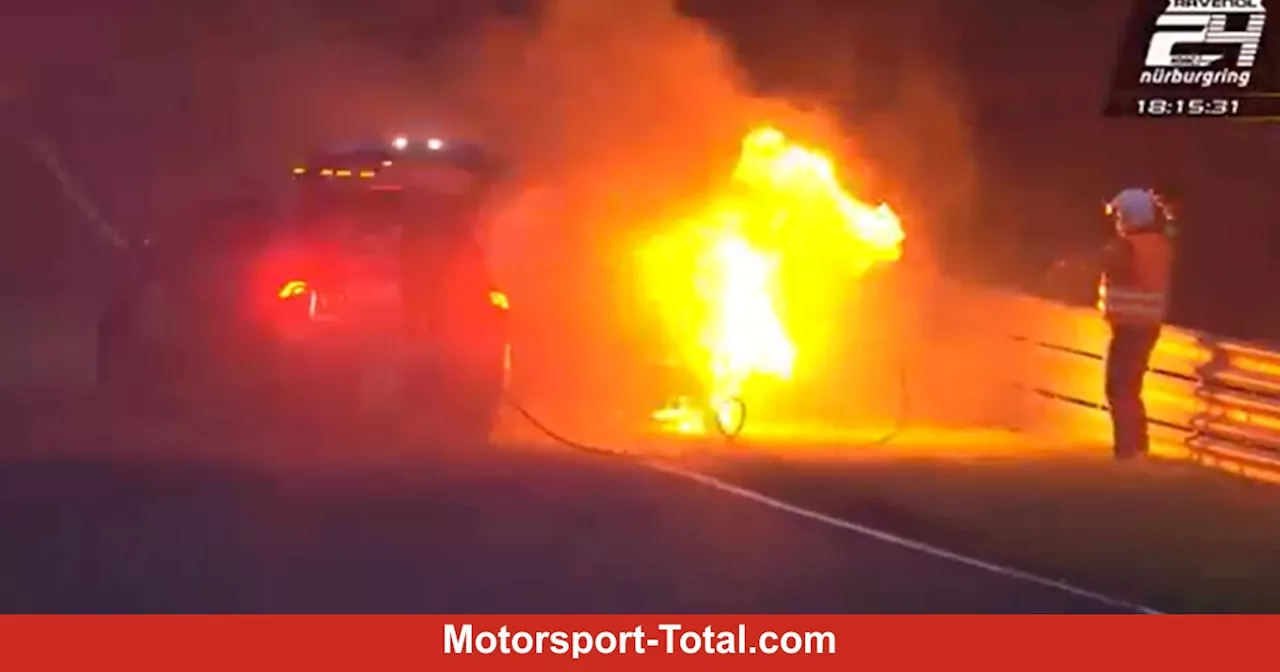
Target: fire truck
[[365, 299]]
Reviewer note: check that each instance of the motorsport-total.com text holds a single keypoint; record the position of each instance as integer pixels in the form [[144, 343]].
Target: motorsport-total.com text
[[670, 638]]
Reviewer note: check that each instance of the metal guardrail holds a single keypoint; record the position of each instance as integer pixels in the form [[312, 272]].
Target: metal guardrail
[[1239, 405], [1209, 399]]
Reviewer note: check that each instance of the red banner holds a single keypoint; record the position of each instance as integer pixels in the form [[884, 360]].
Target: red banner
[[393, 643]]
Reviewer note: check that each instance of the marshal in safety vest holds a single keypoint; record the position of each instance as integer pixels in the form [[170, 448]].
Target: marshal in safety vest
[[1135, 290], [1135, 284]]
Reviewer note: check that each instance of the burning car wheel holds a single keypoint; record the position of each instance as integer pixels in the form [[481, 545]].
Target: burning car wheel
[[728, 416]]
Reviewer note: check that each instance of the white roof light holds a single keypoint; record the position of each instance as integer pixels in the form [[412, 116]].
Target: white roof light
[[435, 144], [400, 142]]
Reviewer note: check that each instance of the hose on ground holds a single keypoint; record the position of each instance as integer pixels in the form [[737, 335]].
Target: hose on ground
[[900, 423]]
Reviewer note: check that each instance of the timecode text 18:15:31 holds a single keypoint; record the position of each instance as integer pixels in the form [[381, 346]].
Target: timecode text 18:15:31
[[1183, 108]]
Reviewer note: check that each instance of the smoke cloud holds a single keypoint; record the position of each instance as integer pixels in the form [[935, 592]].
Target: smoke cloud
[[616, 117], [615, 113]]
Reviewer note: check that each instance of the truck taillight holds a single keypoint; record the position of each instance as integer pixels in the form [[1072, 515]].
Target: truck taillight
[[499, 300], [293, 289]]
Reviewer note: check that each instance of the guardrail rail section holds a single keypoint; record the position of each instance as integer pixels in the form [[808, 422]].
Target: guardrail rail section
[[1210, 399]]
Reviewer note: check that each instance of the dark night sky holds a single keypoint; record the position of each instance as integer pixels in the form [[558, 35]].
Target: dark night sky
[[992, 110]]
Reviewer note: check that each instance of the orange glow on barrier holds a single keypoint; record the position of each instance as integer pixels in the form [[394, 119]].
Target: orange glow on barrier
[[784, 232], [1256, 365]]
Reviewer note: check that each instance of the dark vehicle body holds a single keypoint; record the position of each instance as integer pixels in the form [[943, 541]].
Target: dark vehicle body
[[367, 298]]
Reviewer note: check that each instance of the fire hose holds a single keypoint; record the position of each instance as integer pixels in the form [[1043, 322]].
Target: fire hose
[[900, 423]]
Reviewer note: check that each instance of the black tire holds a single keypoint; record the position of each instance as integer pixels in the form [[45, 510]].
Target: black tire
[[729, 417]]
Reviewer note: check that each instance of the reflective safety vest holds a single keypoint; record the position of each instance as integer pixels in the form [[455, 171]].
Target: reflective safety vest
[[1137, 292]]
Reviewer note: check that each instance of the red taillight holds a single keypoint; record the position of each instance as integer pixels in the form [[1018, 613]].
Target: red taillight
[[293, 289], [499, 300]]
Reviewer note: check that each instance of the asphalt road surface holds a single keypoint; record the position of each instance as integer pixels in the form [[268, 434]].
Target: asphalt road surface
[[202, 521]]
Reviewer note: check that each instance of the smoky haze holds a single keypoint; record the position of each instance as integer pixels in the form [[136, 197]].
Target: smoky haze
[[616, 116]]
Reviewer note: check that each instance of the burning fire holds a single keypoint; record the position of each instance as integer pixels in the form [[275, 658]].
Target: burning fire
[[787, 231]]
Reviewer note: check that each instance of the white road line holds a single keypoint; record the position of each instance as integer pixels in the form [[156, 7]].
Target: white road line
[[903, 542]]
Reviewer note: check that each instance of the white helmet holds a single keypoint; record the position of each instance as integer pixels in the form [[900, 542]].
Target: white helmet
[[1135, 210]]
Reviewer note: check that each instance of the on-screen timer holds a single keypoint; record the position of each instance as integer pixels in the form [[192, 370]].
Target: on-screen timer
[[1187, 107], [1243, 106]]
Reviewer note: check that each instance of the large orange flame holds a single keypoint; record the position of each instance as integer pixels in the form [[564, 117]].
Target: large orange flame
[[786, 207]]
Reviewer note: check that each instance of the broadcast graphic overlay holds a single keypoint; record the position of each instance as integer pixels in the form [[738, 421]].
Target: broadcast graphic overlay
[[1198, 59]]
